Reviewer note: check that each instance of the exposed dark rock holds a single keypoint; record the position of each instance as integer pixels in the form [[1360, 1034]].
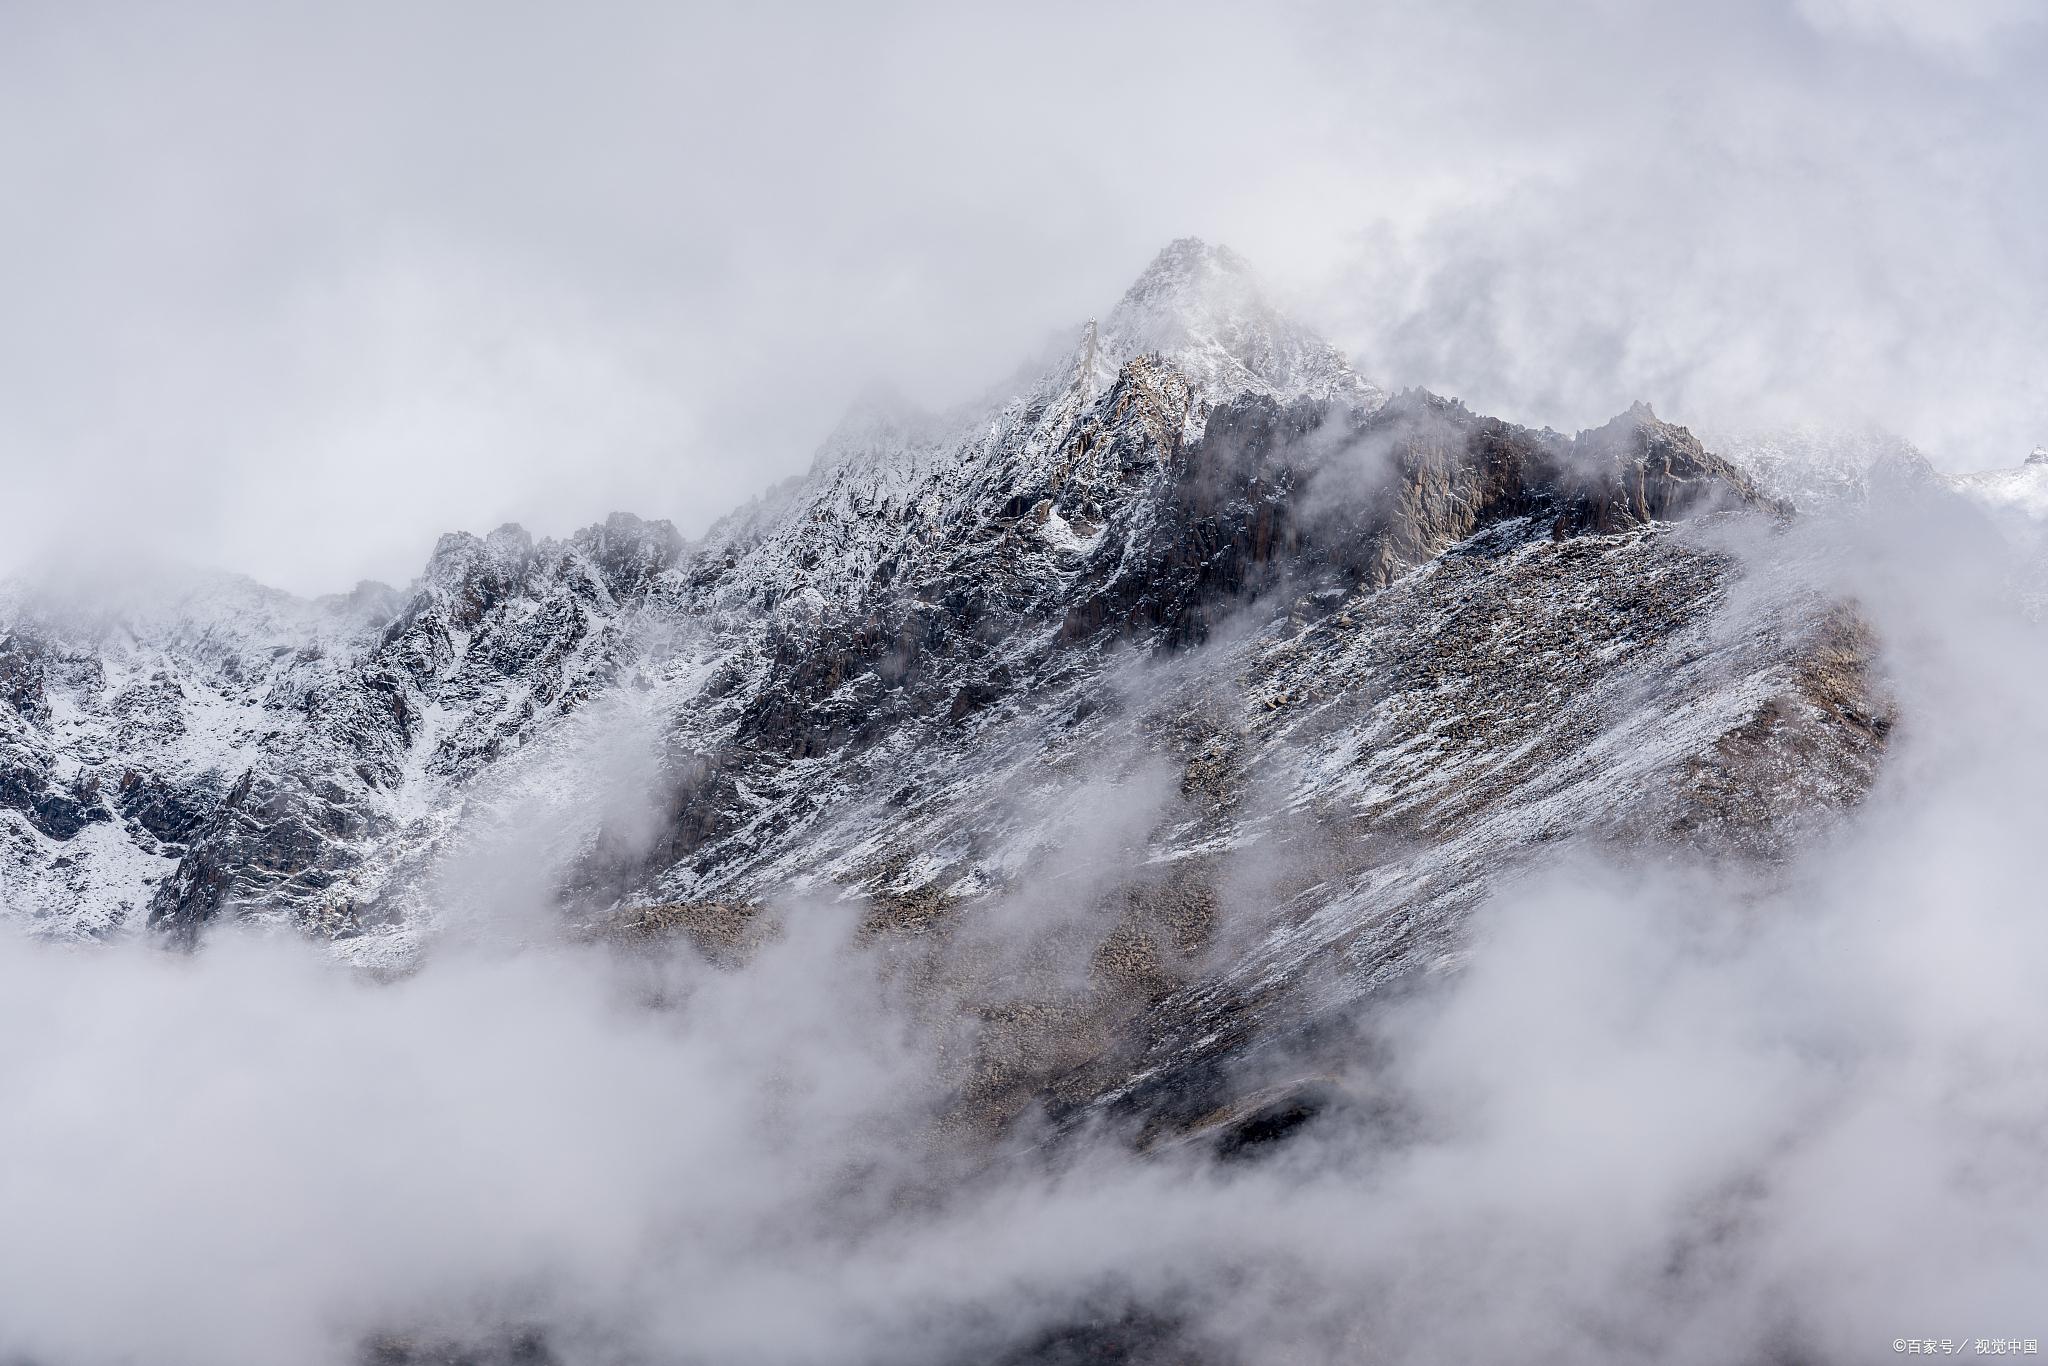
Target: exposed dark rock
[[21, 678], [508, 1347], [1248, 1136], [170, 813], [1132, 1338], [56, 812]]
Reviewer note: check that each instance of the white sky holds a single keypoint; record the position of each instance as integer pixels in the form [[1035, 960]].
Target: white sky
[[293, 289]]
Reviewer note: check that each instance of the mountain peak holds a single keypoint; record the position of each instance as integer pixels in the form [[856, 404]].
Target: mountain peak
[[2039, 456], [1189, 283], [1189, 262], [1201, 307], [1196, 306], [1637, 417]]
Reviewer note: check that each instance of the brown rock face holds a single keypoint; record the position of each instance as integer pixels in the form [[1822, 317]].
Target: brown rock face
[[1317, 496]]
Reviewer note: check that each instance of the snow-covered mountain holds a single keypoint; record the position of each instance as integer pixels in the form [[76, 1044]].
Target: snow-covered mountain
[[1241, 674], [2022, 489], [1818, 469]]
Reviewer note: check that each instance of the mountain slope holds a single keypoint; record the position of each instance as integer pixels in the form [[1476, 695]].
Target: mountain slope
[[1199, 673]]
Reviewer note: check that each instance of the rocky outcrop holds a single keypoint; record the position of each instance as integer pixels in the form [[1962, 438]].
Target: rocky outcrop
[[1318, 496]]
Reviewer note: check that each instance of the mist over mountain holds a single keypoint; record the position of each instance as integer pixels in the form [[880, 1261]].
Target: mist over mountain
[[1192, 857], [1198, 471], [295, 292]]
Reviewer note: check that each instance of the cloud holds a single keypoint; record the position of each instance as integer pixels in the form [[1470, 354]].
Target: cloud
[[297, 292], [1662, 1112], [300, 291], [1951, 29]]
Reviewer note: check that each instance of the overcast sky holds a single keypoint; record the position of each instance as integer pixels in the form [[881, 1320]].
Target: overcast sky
[[293, 289]]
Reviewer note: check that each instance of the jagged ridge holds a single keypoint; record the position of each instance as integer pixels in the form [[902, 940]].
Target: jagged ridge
[[1199, 546]]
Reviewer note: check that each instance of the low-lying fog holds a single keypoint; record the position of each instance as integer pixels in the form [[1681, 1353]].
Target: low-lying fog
[[1659, 1114]]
